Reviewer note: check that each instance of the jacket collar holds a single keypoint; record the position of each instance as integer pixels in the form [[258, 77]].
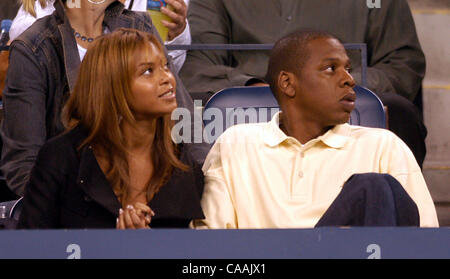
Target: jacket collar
[[336, 137], [91, 178]]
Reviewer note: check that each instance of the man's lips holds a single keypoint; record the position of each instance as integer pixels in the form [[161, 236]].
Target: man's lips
[[350, 97], [348, 101]]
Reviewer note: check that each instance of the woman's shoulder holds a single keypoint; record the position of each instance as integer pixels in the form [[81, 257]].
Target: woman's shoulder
[[42, 29], [64, 144], [141, 19]]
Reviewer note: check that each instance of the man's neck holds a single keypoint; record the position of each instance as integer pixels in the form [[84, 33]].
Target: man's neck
[[296, 126]]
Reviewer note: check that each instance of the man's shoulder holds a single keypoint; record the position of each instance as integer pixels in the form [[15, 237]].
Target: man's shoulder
[[374, 136], [361, 131]]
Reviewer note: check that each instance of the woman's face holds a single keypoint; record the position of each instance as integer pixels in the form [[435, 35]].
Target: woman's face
[[153, 85]]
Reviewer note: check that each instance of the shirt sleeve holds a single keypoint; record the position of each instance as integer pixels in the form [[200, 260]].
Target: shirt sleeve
[[179, 56], [216, 201], [401, 164]]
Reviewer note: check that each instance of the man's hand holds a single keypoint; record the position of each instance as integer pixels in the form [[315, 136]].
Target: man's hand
[[137, 216], [177, 14]]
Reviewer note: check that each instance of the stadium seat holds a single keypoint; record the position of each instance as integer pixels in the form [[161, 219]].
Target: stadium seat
[[13, 210], [251, 104]]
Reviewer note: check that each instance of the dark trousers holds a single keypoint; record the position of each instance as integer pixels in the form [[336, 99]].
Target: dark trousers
[[406, 121], [371, 199]]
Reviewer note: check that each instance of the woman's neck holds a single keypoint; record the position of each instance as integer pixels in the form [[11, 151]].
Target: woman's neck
[[139, 137], [87, 19]]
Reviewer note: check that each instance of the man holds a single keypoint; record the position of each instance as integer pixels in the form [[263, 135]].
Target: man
[[298, 170], [396, 63]]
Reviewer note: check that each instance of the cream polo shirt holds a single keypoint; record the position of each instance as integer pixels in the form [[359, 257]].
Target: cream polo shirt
[[257, 177]]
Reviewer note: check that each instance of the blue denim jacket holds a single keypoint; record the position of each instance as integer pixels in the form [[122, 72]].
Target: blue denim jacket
[[44, 63]]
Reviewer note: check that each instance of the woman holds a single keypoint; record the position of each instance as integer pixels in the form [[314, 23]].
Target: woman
[[44, 64], [179, 32], [116, 166]]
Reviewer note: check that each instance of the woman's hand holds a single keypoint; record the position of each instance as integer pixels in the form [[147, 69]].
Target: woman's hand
[[178, 15], [137, 216]]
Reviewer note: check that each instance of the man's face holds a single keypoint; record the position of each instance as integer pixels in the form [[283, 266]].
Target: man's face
[[324, 86]]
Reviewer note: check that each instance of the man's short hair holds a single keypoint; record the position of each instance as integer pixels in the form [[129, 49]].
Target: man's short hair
[[290, 54]]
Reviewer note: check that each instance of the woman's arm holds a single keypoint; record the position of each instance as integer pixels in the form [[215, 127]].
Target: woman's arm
[[41, 203], [23, 129]]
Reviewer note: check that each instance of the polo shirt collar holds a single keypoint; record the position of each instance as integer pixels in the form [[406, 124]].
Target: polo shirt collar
[[336, 137]]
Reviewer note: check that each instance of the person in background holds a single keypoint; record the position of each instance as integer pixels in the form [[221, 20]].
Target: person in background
[[44, 63], [116, 165], [308, 167], [8, 10], [179, 32], [396, 63]]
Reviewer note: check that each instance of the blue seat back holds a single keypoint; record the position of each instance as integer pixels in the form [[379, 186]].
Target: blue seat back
[[251, 104]]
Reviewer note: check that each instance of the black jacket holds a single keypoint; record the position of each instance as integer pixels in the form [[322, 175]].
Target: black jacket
[[44, 63], [67, 189]]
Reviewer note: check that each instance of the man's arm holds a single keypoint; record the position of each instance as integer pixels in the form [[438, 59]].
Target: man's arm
[[210, 71], [179, 56], [395, 58], [398, 161], [217, 203]]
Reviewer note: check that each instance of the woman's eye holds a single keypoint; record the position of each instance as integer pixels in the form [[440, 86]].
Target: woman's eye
[[166, 66], [147, 72]]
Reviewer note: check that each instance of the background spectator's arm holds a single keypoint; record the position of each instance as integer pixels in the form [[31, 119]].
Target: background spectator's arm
[[23, 128], [209, 71], [395, 58]]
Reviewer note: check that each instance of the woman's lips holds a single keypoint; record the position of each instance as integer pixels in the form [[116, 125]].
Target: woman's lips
[[169, 94]]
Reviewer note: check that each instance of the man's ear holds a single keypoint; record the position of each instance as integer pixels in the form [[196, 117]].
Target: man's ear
[[286, 82]]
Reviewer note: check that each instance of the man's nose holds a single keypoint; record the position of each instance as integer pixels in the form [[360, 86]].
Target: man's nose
[[347, 79]]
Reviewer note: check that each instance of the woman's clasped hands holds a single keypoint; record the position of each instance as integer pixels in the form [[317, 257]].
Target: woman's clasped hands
[[137, 216]]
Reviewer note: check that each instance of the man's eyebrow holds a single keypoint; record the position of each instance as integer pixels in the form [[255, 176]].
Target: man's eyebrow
[[332, 59]]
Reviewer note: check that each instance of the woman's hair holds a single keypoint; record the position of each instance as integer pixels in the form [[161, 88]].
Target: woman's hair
[[100, 101], [28, 6]]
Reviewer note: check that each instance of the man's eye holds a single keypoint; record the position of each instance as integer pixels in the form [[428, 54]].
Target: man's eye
[[349, 69], [330, 68]]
